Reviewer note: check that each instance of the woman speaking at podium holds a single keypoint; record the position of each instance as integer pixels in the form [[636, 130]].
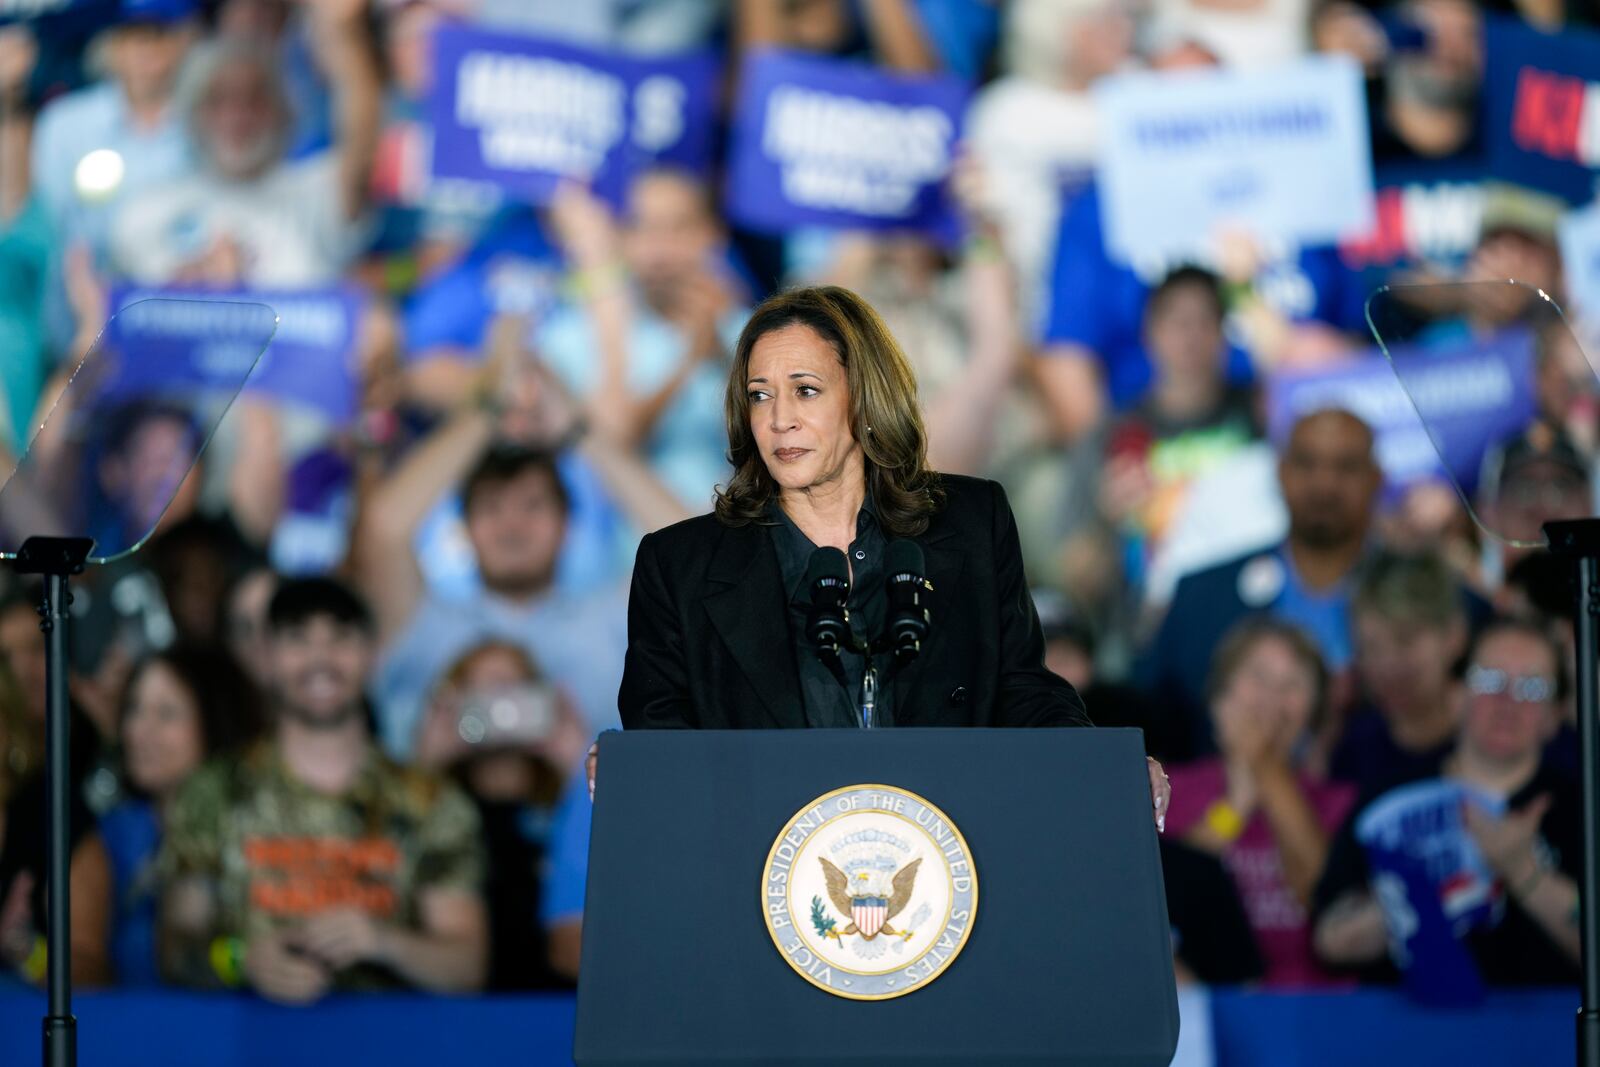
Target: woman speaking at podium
[[920, 616]]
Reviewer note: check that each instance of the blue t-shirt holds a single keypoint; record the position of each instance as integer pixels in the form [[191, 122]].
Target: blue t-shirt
[[1099, 303], [1325, 616], [568, 855], [132, 835]]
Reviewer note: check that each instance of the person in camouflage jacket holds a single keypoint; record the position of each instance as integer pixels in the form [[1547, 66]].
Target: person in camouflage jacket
[[312, 862]]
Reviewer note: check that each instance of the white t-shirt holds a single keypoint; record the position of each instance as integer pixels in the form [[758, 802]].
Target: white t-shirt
[[290, 226]]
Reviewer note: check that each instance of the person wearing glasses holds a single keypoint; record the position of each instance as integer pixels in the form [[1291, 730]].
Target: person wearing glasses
[[1472, 876]]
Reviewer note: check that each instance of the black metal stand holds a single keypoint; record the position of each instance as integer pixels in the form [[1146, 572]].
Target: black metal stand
[[1579, 540], [57, 559]]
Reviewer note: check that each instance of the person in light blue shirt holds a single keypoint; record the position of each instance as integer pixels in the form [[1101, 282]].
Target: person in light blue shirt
[[659, 306], [96, 148], [501, 456]]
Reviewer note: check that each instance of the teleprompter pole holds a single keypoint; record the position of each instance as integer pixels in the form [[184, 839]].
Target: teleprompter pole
[[56, 559]]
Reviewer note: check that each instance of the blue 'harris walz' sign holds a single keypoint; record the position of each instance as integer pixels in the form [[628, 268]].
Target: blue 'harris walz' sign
[[524, 113], [824, 142]]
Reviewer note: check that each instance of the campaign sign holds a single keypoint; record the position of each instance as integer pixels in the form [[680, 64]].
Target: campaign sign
[[1281, 154], [827, 142], [193, 341], [1541, 107], [1477, 393], [1422, 214], [1433, 884], [673, 103], [525, 113]]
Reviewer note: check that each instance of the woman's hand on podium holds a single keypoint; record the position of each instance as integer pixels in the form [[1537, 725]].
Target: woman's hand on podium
[[589, 764], [1160, 790]]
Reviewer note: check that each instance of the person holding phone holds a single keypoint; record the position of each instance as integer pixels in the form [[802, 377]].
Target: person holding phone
[[511, 740]]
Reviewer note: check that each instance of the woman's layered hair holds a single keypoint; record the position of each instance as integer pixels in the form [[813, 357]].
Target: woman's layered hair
[[884, 416]]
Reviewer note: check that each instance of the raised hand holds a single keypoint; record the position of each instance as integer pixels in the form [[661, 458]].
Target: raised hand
[[584, 226], [18, 53]]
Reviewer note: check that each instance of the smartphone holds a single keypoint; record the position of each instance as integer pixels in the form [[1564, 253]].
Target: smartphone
[[507, 716]]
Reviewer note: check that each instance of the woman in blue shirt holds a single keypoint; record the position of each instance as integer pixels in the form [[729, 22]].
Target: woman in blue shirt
[[180, 707]]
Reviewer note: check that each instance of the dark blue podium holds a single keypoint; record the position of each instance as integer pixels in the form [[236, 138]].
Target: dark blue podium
[[1068, 959]]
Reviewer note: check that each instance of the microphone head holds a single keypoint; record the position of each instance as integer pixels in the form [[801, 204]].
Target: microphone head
[[827, 563], [904, 557]]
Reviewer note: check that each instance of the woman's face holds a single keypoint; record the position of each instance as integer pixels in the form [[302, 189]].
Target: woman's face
[[800, 409], [1511, 708], [1272, 691], [161, 734], [1404, 665]]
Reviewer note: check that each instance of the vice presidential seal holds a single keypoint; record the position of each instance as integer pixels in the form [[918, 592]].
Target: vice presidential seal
[[869, 892]]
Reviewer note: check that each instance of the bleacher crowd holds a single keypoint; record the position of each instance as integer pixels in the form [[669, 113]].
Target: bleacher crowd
[[330, 720]]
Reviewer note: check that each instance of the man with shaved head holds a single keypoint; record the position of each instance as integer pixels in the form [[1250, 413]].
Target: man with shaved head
[[1330, 481]]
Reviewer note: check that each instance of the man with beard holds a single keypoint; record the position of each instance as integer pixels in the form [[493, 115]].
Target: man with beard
[[538, 489], [249, 215], [1330, 483], [311, 862]]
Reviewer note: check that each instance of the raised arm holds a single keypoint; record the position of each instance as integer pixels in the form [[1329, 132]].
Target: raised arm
[[17, 54], [385, 563], [962, 415], [345, 51], [898, 37], [257, 483]]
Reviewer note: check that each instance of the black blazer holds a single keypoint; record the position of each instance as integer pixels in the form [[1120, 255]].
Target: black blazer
[[709, 644]]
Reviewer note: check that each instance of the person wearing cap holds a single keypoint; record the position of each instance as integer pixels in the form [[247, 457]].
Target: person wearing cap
[[250, 216], [98, 147]]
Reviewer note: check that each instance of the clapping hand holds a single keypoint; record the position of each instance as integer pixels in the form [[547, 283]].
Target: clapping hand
[[534, 406], [340, 938], [279, 970], [1509, 842]]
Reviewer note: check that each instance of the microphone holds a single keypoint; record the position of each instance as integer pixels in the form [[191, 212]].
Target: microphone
[[828, 578], [909, 615]]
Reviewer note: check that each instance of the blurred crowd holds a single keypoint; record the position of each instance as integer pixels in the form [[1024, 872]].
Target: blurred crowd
[[329, 721]]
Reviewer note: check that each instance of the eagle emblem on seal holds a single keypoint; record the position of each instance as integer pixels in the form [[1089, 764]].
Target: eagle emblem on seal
[[870, 895]]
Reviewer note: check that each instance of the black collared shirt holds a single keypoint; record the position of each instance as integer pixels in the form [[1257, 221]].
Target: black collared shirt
[[832, 695]]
